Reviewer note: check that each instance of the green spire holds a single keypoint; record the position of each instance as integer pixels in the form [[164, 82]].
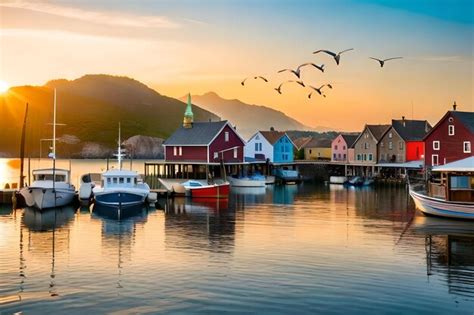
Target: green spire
[[189, 110]]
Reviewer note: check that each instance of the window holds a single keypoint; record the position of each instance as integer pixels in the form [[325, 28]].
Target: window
[[466, 146], [436, 145], [129, 180], [390, 135], [344, 147], [366, 145], [370, 156], [256, 146], [451, 130], [180, 151], [339, 155], [120, 180], [260, 147], [108, 180], [400, 145], [460, 182], [175, 150], [226, 136], [216, 155], [335, 147], [334, 156], [390, 145], [434, 159], [344, 156], [310, 151], [235, 152], [115, 180]]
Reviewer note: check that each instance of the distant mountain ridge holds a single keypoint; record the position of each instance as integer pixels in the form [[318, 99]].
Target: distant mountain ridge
[[248, 118], [91, 107]]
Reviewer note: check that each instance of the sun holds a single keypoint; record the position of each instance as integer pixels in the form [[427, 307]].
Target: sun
[[4, 86]]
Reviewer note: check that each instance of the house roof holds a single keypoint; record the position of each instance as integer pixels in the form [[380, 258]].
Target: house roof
[[301, 141], [272, 136], [464, 165], [467, 118], [349, 139], [318, 143], [411, 130], [378, 130], [202, 133]]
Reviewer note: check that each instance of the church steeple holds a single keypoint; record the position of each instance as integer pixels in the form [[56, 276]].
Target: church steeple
[[188, 114]]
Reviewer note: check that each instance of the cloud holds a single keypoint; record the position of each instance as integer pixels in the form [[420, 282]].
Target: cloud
[[99, 17], [452, 58]]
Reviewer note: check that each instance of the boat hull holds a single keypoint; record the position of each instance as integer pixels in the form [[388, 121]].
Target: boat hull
[[119, 199], [437, 207], [45, 198], [241, 182], [212, 191]]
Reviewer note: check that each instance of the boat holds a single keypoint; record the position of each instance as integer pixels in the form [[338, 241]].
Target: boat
[[453, 195], [51, 187], [197, 189], [355, 181], [88, 182], [269, 180], [287, 176], [248, 181], [121, 188], [337, 180], [368, 181]]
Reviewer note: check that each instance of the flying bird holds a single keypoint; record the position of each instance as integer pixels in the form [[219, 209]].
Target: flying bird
[[336, 57], [255, 78], [297, 72], [278, 89], [382, 61], [319, 90]]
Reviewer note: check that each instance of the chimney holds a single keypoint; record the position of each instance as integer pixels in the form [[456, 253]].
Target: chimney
[[403, 121], [454, 105], [272, 129]]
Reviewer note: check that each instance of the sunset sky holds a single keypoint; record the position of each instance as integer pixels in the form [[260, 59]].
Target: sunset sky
[[177, 47]]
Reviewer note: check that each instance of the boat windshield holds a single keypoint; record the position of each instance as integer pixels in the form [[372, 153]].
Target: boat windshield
[[42, 177]]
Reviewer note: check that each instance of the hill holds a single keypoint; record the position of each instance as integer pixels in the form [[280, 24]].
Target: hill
[[91, 107], [248, 118]]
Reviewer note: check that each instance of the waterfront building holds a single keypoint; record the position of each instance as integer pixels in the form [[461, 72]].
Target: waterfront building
[[450, 139], [318, 149], [299, 144], [204, 142], [342, 150], [274, 146], [365, 146], [403, 142]]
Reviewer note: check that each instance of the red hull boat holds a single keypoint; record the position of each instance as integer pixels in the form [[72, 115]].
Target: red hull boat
[[211, 191]]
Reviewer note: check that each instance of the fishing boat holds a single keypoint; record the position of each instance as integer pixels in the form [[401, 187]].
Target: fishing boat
[[120, 188], [51, 187], [452, 195], [248, 181], [197, 189]]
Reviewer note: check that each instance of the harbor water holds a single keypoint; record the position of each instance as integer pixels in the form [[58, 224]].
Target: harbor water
[[286, 249]]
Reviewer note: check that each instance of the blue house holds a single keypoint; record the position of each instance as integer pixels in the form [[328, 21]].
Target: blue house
[[273, 145]]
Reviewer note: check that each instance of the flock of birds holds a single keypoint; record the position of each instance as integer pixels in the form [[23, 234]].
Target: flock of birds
[[297, 72]]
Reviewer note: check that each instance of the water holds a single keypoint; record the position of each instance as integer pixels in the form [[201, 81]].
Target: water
[[294, 249]]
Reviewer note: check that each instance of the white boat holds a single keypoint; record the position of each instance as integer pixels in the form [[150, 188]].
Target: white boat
[[453, 195], [51, 187], [120, 188], [252, 181], [269, 180]]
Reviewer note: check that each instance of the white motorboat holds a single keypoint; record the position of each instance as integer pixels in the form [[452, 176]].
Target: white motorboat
[[249, 181], [120, 188], [51, 187]]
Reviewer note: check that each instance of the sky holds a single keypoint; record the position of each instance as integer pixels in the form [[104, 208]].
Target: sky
[[194, 46]]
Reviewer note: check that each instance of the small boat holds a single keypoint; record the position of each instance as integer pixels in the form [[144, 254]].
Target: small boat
[[51, 188], [287, 176], [368, 182], [269, 180], [453, 195], [196, 189], [120, 188], [355, 181], [248, 181], [337, 180]]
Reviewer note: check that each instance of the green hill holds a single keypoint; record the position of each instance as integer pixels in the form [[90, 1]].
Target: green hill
[[91, 107]]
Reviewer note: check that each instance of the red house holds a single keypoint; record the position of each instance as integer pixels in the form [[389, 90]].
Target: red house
[[450, 139], [204, 142]]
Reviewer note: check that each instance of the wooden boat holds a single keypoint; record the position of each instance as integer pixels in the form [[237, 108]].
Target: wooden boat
[[453, 195], [197, 189]]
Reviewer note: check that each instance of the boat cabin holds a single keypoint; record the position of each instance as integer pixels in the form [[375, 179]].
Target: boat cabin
[[119, 178], [58, 175], [455, 181]]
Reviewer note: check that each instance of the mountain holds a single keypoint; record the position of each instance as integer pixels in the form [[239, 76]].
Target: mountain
[[248, 118], [91, 107]]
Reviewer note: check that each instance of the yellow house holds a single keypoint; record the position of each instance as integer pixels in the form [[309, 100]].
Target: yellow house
[[318, 149]]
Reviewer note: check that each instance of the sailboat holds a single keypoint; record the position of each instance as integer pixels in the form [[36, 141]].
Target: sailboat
[[51, 187], [120, 188]]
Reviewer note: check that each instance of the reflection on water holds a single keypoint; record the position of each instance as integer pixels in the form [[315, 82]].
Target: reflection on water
[[314, 249]]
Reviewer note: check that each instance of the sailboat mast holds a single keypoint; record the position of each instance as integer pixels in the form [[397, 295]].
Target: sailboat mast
[[119, 149], [54, 126]]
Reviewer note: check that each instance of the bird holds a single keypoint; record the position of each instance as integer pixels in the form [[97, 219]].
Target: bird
[[297, 72], [319, 89], [255, 78], [382, 61], [278, 89], [336, 57]]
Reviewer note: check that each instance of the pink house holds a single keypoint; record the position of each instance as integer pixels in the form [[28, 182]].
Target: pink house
[[341, 148]]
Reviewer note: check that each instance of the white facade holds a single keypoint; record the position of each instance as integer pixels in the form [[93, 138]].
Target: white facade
[[257, 145]]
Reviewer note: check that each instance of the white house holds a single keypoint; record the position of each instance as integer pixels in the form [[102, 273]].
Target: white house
[[273, 145]]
